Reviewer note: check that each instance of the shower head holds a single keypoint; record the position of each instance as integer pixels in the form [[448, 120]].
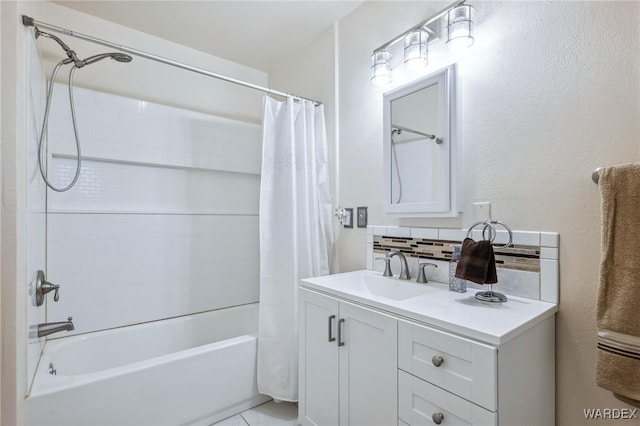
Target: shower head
[[117, 56]]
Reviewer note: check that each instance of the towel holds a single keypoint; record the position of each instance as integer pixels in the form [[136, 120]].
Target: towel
[[477, 262], [618, 303]]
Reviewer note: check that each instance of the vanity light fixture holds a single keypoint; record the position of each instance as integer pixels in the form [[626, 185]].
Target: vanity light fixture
[[459, 32], [460, 27], [381, 68], [415, 48]]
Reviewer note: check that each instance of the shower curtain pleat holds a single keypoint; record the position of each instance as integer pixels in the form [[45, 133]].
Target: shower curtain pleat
[[295, 233]]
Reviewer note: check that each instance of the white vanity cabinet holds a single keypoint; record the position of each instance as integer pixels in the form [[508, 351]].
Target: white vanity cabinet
[[414, 360], [348, 363]]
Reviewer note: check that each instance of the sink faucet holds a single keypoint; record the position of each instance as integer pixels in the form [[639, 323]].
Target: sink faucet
[[404, 268], [48, 328]]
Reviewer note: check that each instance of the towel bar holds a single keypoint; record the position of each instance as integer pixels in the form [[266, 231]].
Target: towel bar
[[595, 176], [489, 225]]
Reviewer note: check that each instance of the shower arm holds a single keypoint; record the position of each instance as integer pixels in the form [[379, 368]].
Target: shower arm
[[30, 22], [70, 53]]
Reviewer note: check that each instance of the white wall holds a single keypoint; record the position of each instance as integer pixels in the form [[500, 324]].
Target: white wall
[[36, 206], [550, 91], [14, 212]]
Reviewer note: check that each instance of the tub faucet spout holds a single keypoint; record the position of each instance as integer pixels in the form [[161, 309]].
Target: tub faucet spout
[[48, 328]]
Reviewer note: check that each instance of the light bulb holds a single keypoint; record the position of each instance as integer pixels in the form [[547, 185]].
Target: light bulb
[[460, 28], [381, 68], [415, 49]]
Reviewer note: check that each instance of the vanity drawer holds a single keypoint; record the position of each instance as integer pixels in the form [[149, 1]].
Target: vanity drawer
[[419, 402], [460, 366]]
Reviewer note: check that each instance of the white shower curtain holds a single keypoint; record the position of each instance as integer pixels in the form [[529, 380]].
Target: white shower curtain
[[295, 233]]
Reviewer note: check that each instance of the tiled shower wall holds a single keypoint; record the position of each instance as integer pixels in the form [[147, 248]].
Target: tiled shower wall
[[528, 267], [164, 219]]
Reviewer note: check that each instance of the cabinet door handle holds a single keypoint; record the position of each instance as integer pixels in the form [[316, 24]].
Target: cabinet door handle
[[437, 418], [330, 331], [437, 361], [340, 341]]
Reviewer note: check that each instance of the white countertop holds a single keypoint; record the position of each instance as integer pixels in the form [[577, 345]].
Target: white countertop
[[459, 313]]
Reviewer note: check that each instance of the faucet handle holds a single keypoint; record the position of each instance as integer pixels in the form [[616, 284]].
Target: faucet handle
[[387, 266], [43, 287], [47, 287], [422, 277]]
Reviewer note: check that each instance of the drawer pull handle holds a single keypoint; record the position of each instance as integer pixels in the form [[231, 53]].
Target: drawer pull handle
[[330, 327], [437, 361], [437, 418], [340, 341]]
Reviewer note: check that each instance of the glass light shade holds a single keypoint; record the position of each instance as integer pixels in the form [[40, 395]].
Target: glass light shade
[[460, 27], [381, 68], [415, 49]]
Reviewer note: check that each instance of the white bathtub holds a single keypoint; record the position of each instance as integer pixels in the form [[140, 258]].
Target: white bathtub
[[191, 370]]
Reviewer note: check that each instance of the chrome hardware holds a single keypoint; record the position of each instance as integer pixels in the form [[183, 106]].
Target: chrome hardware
[[437, 360], [437, 418], [387, 266], [43, 287], [331, 338], [491, 296], [595, 176], [422, 277], [490, 226], [48, 328], [404, 268], [52, 370], [340, 341]]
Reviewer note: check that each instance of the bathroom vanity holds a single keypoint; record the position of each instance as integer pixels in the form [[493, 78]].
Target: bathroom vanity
[[379, 351]]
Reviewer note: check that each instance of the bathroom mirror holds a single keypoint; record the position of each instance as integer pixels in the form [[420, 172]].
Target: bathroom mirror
[[421, 147]]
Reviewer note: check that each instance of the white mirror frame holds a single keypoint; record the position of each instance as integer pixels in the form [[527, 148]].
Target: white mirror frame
[[451, 204]]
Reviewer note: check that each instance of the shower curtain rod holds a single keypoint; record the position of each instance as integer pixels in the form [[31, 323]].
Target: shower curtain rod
[[30, 22]]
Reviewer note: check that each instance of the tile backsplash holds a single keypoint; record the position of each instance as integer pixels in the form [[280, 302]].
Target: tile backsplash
[[528, 267]]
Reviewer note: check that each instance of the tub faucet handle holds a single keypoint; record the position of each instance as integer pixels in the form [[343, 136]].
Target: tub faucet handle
[[43, 287]]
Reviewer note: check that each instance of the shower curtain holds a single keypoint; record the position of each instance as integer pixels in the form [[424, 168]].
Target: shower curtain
[[295, 233]]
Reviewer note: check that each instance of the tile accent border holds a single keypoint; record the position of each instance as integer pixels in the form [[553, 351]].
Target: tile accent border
[[528, 268], [519, 257]]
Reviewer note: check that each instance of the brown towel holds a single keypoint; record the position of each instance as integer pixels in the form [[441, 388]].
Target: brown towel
[[618, 304], [477, 262]]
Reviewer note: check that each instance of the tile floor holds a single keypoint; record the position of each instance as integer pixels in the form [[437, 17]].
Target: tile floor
[[267, 414]]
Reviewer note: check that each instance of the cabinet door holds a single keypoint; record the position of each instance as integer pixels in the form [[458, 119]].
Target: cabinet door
[[318, 379], [368, 367]]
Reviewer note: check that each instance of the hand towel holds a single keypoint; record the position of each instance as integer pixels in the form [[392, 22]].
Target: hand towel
[[618, 303], [477, 262]]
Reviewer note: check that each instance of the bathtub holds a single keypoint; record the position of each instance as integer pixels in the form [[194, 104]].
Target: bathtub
[[192, 370]]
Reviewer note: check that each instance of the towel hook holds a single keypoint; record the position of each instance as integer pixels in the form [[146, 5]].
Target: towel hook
[[490, 226]]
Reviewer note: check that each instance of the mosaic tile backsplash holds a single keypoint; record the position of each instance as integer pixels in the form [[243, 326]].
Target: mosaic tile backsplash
[[518, 257], [527, 268]]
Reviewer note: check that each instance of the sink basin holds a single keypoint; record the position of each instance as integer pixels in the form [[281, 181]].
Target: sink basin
[[371, 284], [395, 289]]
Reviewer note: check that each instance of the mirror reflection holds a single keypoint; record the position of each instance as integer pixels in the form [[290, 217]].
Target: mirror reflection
[[415, 164]]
